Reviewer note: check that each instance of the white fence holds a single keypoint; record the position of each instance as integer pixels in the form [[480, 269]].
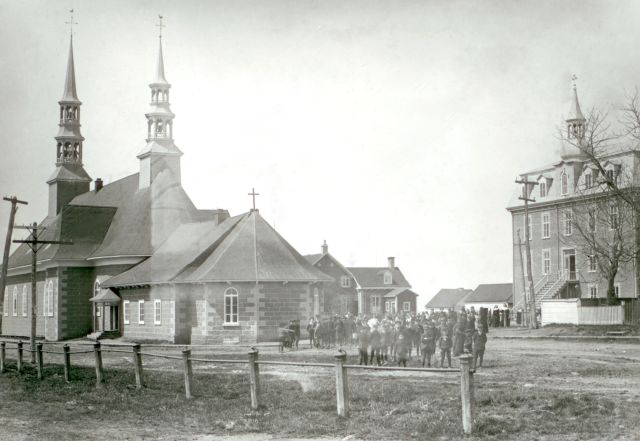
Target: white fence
[[569, 311]]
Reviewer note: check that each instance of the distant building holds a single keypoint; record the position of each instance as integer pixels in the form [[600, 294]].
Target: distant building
[[447, 299], [340, 296], [490, 296], [383, 290]]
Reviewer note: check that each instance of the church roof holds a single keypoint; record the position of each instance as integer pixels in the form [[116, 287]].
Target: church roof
[[242, 248], [70, 95], [574, 108], [69, 172], [373, 277]]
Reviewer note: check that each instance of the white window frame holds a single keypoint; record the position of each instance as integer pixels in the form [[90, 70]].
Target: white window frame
[[546, 225], [593, 263], [387, 278], [141, 312], [543, 189], [588, 180], [546, 261], [48, 294], [345, 281], [25, 304], [14, 302], [126, 310], [157, 312], [375, 302], [564, 183], [593, 290], [567, 217], [231, 303], [406, 306]]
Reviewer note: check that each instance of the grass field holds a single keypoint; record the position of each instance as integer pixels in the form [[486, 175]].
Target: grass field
[[529, 390]]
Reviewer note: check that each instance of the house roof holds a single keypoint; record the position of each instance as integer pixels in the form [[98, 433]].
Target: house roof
[[492, 292], [242, 248], [313, 258], [373, 277], [396, 292], [448, 298]]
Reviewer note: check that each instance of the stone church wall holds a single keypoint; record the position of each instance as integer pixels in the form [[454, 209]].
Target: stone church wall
[[19, 325], [75, 309], [151, 329], [279, 303]]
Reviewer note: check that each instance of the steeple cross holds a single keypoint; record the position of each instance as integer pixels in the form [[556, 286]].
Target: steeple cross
[[574, 77], [71, 22], [160, 25], [253, 195]]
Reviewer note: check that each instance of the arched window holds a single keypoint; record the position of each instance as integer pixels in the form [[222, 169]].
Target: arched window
[[48, 310], [564, 183], [96, 288], [231, 306], [24, 301], [14, 311]]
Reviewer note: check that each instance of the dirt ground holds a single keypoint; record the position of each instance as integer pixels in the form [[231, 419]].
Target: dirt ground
[[560, 368]]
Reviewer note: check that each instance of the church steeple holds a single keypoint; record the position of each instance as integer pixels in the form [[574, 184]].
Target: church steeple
[[572, 147], [160, 154], [69, 179]]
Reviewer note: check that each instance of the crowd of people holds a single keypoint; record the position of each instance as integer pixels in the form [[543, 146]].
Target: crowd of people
[[395, 338]]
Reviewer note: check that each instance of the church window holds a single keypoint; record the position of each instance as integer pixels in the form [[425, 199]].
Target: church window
[[126, 311], [388, 279], [15, 301], [564, 183], [345, 281], [24, 301], [48, 309], [157, 312], [96, 288], [231, 306], [141, 312]]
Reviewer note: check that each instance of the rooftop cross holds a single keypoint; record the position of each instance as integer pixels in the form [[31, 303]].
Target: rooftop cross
[[71, 22], [253, 195], [160, 25]]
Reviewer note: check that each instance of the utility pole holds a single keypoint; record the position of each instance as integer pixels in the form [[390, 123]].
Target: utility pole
[[525, 319], [35, 244], [533, 322], [7, 247]]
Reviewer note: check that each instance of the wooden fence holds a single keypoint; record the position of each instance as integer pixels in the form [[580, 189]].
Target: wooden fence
[[253, 362], [631, 312]]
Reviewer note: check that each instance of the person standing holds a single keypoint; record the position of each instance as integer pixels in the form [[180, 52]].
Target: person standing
[[363, 343], [375, 342], [428, 343], [311, 329], [445, 345], [479, 344], [403, 350]]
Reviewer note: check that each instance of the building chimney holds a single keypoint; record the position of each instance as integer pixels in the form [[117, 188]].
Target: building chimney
[[325, 248], [98, 184], [392, 262]]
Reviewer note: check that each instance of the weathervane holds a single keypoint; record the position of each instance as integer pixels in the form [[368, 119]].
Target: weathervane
[[71, 22], [160, 25]]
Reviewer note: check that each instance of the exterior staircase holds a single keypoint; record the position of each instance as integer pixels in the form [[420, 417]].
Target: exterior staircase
[[549, 286]]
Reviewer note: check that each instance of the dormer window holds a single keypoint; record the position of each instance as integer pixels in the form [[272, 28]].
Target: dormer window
[[610, 176], [345, 281], [388, 279], [543, 189], [588, 180], [564, 183]]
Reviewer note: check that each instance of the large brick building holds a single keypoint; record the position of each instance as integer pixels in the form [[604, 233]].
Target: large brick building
[[145, 263], [562, 267]]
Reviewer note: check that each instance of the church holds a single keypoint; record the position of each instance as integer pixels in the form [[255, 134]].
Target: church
[[142, 261]]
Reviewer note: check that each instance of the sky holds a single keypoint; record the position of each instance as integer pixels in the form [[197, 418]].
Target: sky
[[385, 128]]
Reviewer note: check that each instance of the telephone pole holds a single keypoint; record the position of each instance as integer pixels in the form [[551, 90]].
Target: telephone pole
[[35, 244], [7, 247], [525, 318], [533, 322]]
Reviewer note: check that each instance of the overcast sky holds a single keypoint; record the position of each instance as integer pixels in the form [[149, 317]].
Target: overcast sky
[[391, 128]]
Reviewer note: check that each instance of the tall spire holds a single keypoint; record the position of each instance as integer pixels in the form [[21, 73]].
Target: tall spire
[[576, 126], [159, 127], [575, 114], [69, 178]]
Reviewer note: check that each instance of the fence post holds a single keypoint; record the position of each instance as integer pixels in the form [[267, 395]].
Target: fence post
[[39, 363], [20, 356], [188, 372], [466, 393], [342, 385], [98, 354], [67, 362], [137, 362], [3, 353], [254, 378]]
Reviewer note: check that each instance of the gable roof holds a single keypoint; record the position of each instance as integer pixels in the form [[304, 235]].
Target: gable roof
[[399, 291], [313, 258], [492, 292], [448, 298], [242, 248], [373, 277]]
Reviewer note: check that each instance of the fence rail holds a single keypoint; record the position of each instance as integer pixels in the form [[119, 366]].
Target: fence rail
[[253, 363]]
